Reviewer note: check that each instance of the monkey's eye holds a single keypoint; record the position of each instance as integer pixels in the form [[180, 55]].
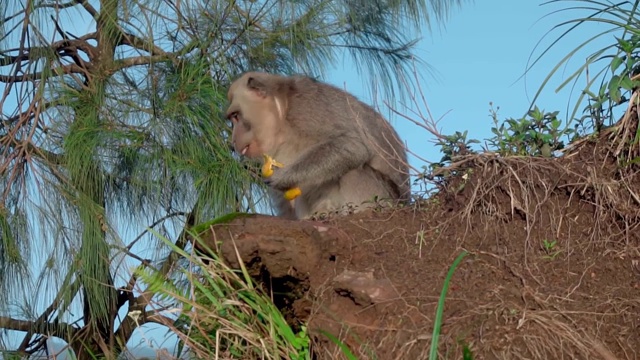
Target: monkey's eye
[[233, 117]]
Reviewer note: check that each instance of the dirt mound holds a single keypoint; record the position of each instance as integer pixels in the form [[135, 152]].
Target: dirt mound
[[552, 272]]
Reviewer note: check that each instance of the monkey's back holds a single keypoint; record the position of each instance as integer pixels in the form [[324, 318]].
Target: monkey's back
[[317, 110]]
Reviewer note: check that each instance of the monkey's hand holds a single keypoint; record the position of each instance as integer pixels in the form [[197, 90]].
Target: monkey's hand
[[290, 193]]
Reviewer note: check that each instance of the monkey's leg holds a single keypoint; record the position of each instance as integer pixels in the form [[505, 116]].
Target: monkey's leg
[[325, 199], [362, 189]]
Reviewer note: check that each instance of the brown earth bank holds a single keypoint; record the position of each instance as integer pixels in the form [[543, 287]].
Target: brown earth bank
[[552, 272]]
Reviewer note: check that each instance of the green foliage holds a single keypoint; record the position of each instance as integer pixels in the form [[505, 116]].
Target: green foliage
[[451, 146], [223, 314], [610, 69], [550, 249], [9, 243], [455, 145], [623, 68], [539, 134], [549, 245], [343, 347]]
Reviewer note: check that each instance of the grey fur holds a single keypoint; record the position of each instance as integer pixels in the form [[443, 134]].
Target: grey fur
[[337, 149]]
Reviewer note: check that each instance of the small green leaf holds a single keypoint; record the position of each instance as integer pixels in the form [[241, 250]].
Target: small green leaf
[[631, 61], [623, 44], [615, 63], [615, 95], [626, 83]]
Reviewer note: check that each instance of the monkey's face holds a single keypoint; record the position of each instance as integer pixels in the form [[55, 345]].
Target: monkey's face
[[255, 119], [243, 136]]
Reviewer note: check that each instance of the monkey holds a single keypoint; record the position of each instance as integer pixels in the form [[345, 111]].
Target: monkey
[[335, 148]]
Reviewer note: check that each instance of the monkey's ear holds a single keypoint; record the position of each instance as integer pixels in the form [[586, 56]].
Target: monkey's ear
[[257, 86]]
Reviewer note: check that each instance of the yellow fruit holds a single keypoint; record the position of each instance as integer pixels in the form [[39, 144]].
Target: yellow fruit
[[269, 163], [292, 193], [267, 171]]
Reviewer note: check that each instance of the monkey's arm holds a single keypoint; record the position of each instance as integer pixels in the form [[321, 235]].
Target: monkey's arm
[[324, 162]]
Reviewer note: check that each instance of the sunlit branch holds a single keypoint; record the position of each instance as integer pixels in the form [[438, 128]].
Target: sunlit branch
[[138, 43], [138, 60], [90, 9]]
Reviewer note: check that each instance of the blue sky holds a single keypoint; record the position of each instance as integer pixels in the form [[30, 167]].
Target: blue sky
[[478, 56]]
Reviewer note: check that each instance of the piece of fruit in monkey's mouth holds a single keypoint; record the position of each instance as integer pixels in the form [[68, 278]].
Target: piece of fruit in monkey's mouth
[[244, 151]]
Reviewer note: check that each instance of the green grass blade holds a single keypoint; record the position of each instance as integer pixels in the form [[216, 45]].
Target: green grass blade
[[343, 347], [433, 353]]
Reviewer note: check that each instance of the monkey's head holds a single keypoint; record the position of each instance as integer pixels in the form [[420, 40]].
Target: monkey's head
[[257, 113]]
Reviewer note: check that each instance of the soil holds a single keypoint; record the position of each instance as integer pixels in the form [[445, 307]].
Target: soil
[[552, 270]]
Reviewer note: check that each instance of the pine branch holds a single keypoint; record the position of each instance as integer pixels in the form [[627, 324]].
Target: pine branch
[[70, 291], [139, 303], [90, 9], [53, 329], [51, 5], [141, 44], [35, 53], [28, 148], [137, 60], [60, 70], [131, 322], [29, 114]]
